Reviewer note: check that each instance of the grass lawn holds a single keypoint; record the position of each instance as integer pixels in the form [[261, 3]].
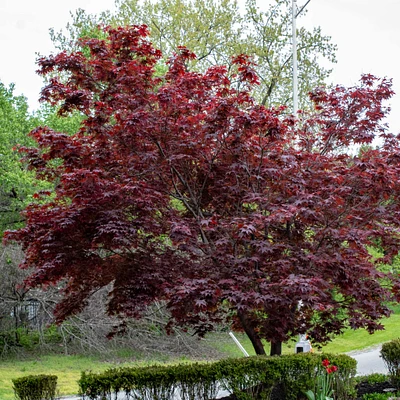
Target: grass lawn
[[361, 339], [349, 341], [67, 368]]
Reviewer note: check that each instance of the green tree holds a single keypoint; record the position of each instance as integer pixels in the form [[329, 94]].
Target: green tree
[[49, 116], [17, 184], [216, 30], [269, 40]]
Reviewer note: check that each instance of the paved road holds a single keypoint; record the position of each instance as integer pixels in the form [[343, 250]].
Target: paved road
[[368, 362]]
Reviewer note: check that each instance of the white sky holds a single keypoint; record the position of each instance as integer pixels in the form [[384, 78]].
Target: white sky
[[367, 33]]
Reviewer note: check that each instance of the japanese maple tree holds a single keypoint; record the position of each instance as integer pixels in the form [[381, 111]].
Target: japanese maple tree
[[181, 188]]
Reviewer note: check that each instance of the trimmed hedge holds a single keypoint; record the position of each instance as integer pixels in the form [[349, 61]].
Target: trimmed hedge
[[35, 387], [248, 378]]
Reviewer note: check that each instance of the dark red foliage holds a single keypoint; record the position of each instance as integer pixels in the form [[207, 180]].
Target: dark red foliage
[[182, 189]]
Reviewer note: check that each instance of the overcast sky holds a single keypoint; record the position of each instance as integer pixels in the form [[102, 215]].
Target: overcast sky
[[367, 33]]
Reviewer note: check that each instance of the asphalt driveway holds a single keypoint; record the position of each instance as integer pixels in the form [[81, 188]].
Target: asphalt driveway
[[369, 361]]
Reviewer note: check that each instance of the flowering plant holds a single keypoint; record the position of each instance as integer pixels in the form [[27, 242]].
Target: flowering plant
[[324, 383]]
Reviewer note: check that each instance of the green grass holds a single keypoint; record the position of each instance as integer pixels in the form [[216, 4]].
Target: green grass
[[226, 345], [361, 339], [67, 368], [350, 340]]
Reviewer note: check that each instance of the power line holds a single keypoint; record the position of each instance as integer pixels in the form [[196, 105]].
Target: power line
[[302, 8]]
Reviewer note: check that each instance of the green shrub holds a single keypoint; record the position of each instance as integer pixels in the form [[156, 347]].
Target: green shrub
[[8, 339], [379, 396], [372, 378], [156, 382], [297, 373], [27, 338], [390, 353], [52, 335], [248, 378], [35, 387]]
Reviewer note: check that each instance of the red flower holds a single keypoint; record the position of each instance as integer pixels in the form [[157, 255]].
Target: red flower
[[329, 370], [334, 368], [325, 363]]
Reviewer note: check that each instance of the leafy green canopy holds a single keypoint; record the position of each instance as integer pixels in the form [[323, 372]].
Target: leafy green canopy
[[216, 30], [17, 184]]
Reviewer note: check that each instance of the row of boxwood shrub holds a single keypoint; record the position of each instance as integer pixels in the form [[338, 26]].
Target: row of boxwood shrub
[[248, 378], [35, 387]]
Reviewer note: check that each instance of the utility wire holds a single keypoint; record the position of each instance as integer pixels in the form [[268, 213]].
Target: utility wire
[[302, 8]]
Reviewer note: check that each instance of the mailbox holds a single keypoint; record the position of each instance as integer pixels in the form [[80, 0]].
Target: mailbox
[[303, 345]]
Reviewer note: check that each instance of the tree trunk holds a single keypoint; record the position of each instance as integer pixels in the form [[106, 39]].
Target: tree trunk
[[276, 349], [251, 333]]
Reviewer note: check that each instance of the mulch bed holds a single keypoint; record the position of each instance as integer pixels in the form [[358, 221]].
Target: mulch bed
[[365, 388]]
